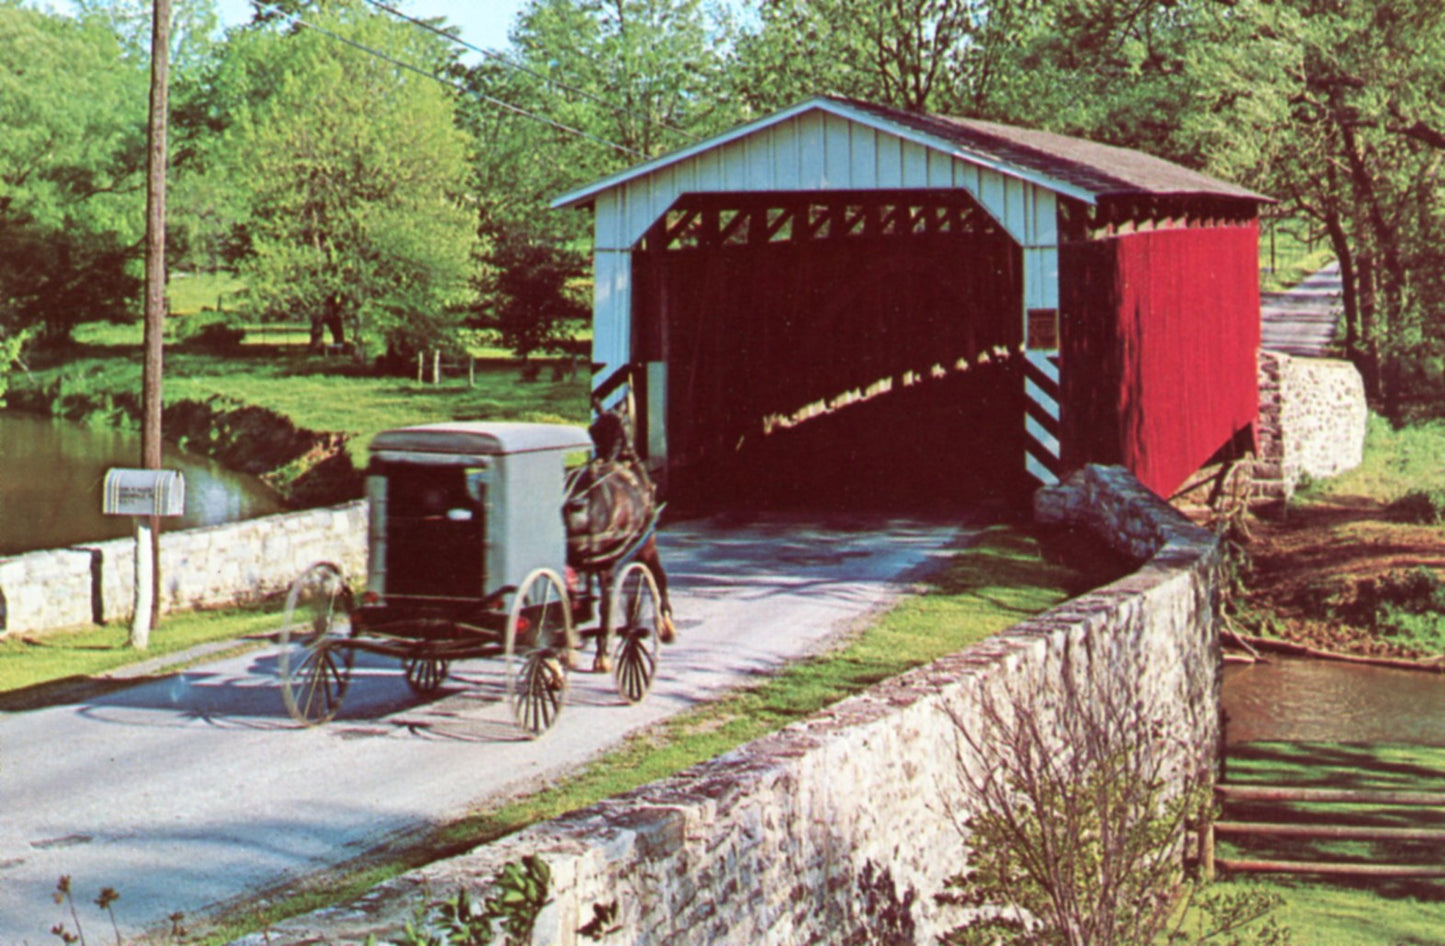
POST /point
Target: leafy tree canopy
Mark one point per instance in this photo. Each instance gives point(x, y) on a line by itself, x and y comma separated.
point(352, 178)
point(597, 85)
point(71, 206)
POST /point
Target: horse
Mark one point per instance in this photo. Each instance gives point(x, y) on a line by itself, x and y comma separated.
point(610, 507)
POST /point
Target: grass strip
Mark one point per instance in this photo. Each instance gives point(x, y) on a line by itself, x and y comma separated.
point(38, 670)
point(989, 586)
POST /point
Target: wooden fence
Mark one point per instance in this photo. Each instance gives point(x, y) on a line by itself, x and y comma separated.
point(1339, 830)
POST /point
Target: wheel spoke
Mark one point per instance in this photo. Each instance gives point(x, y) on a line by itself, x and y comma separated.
point(538, 639)
point(315, 662)
point(635, 653)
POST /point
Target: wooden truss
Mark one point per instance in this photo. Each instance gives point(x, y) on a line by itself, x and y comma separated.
point(708, 221)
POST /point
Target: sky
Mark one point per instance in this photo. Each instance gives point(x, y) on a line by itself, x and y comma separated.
point(483, 23)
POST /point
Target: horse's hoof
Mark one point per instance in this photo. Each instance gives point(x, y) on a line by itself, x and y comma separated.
point(603, 664)
point(667, 633)
point(556, 676)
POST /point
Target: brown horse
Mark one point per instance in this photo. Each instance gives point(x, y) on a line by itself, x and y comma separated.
point(609, 509)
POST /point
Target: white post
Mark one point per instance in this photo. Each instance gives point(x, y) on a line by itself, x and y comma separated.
point(145, 569)
point(436, 367)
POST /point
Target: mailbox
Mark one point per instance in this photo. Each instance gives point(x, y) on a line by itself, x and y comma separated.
point(144, 493)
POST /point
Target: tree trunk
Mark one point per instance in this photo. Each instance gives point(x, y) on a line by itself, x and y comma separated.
point(1349, 297)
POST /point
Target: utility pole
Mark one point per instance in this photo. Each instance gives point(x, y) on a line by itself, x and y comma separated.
point(147, 537)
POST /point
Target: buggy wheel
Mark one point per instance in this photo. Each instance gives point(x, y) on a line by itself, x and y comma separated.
point(315, 661)
point(636, 628)
point(539, 644)
point(425, 674)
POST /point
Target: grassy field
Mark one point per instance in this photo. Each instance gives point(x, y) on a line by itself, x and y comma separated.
point(35, 670)
point(316, 392)
point(1397, 461)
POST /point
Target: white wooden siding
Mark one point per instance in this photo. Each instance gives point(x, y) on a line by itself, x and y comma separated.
point(814, 150)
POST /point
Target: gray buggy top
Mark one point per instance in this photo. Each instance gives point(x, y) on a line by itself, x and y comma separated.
point(489, 493)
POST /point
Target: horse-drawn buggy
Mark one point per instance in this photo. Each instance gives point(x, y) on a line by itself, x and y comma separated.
point(482, 545)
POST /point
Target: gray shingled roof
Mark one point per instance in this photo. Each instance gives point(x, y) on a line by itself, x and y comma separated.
point(1103, 170)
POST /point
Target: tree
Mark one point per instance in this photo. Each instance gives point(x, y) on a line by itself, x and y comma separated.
point(71, 209)
point(352, 178)
point(1344, 128)
point(592, 87)
point(938, 56)
point(531, 289)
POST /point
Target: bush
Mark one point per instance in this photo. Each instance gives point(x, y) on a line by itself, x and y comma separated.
point(212, 333)
point(1420, 506)
point(1407, 605)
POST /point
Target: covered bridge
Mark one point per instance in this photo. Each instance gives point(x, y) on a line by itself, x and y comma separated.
point(845, 292)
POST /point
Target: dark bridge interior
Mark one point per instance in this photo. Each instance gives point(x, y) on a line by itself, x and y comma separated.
point(822, 349)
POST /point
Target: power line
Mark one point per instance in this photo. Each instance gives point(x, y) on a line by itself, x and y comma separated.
point(507, 106)
point(505, 61)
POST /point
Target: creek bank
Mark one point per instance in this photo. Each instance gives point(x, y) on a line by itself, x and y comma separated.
point(1323, 577)
point(307, 468)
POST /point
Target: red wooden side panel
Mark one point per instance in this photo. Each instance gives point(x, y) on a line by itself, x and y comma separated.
point(1160, 339)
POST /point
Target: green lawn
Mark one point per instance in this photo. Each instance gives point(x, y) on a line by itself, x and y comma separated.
point(316, 392)
point(1346, 911)
point(31, 667)
point(191, 293)
point(1396, 461)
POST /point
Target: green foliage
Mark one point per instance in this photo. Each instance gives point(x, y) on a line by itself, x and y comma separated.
point(213, 333)
point(351, 180)
point(522, 891)
point(1080, 801)
point(1420, 506)
point(1230, 916)
point(533, 296)
point(1407, 605)
point(1325, 108)
point(12, 347)
point(73, 112)
point(632, 79)
point(944, 56)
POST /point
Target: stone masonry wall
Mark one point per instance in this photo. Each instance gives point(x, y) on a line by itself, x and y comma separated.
point(841, 828)
point(1312, 416)
point(219, 565)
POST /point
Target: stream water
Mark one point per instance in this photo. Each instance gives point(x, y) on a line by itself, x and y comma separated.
point(51, 474)
point(1330, 701)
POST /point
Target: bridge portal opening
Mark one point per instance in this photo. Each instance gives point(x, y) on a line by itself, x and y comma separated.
point(839, 347)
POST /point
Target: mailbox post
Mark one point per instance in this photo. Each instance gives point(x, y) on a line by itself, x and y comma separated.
point(143, 494)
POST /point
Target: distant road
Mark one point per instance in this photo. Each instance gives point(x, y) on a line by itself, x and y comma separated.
point(1302, 320)
point(196, 789)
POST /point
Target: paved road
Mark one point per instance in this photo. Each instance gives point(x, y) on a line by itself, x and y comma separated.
point(1302, 320)
point(195, 789)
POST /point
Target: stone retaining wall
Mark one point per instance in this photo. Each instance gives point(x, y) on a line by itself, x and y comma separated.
point(1312, 415)
point(841, 828)
point(215, 566)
